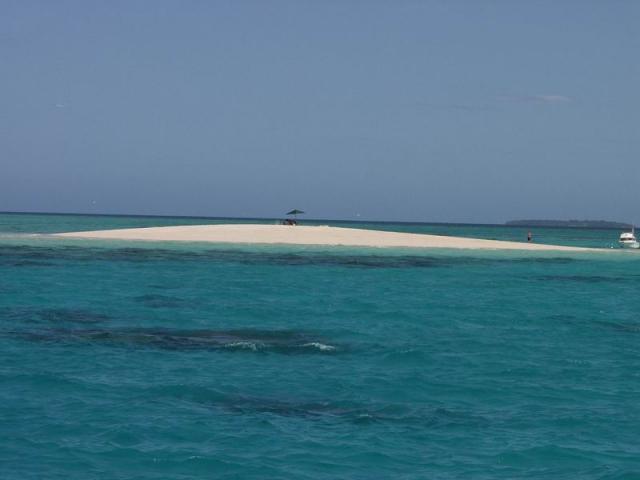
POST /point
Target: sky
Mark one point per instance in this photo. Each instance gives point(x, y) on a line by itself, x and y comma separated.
point(435, 111)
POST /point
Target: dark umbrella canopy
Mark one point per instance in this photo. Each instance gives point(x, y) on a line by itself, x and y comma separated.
point(295, 213)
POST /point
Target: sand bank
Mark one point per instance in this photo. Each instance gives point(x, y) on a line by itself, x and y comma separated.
point(308, 235)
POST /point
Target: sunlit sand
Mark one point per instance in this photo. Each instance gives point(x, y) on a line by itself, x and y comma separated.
point(308, 235)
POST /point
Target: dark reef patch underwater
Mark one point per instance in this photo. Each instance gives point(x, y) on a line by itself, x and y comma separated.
point(120, 360)
point(47, 256)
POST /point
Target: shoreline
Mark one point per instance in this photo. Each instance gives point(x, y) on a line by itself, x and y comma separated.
point(310, 235)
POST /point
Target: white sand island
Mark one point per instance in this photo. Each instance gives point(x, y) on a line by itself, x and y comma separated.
point(308, 235)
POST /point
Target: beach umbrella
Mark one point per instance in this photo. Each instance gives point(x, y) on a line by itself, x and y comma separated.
point(294, 212)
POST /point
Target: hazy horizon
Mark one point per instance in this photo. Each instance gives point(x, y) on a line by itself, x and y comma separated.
point(456, 112)
point(312, 218)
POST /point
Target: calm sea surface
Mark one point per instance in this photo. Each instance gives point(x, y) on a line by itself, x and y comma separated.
point(123, 360)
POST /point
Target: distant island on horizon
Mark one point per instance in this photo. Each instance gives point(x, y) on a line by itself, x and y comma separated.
point(568, 223)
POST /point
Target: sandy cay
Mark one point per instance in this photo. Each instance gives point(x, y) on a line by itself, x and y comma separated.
point(308, 235)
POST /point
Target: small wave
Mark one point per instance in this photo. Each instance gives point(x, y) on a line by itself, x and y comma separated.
point(621, 327)
point(274, 341)
point(244, 345)
point(159, 301)
point(320, 346)
point(579, 278)
point(53, 315)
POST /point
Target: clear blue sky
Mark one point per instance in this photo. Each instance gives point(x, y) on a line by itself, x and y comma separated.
point(468, 111)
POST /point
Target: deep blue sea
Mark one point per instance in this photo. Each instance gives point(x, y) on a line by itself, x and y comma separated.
point(123, 360)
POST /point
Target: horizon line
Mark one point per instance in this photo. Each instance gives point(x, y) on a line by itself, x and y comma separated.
point(505, 224)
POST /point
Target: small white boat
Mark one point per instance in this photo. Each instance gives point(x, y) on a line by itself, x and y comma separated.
point(628, 240)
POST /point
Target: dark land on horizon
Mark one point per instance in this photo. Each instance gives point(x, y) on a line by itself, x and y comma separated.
point(568, 223)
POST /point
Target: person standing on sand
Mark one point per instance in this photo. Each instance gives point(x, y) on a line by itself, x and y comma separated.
point(529, 236)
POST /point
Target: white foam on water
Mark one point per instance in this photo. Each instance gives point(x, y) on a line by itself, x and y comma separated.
point(320, 346)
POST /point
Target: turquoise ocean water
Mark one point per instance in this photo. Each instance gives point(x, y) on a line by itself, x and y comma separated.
point(125, 360)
